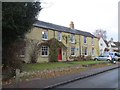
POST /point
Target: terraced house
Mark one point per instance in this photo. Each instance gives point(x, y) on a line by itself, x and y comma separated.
point(76, 41)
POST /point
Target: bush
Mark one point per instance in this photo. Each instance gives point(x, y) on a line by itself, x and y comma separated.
point(81, 58)
point(89, 57)
point(11, 60)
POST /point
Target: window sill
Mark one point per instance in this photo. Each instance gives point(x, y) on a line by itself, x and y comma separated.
point(60, 40)
point(73, 55)
point(44, 39)
point(73, 42)
point(85, 43)
point(44, 56)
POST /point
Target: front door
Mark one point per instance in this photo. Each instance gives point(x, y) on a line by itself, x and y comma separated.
point(59, 54)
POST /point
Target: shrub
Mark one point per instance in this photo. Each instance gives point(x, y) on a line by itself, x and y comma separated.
point(81, 58)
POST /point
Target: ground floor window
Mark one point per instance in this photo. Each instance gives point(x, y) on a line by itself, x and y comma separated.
point(93, 51)
point(85, 50)
point(72, 51)
point(44, 51)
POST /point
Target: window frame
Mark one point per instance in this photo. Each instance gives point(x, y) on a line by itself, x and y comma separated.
point(72, 38)
point(86, 51)
point(73, 51)
point(43, 35)
point(44, 48)
point(59, 36)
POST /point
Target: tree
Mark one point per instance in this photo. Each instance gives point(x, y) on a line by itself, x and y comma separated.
point(17, 19)
point(100, 34)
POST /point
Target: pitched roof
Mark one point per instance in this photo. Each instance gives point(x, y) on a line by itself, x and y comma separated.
point(59, 28)
point(106, 42)
point(117, 44)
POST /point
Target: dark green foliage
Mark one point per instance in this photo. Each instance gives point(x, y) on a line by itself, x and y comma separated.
point(17, 19)
point(53, 45)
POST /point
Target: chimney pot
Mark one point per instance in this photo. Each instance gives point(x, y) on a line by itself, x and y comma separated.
point(71, 25)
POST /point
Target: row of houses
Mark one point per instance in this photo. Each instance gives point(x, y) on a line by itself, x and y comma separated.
point(76, 41)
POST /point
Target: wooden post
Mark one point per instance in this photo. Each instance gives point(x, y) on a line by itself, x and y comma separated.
point(17, 78)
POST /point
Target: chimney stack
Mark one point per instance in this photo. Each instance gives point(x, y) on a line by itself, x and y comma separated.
point(71, 25)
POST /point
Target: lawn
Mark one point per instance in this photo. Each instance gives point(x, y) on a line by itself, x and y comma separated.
point(55, 65)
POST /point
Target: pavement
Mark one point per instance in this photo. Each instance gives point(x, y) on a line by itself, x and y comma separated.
point(57, 81)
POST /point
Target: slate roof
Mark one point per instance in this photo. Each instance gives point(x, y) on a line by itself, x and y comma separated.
point(59, 28)
point(106, 42)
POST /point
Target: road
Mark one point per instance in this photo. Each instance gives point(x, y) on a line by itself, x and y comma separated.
point(107, 79)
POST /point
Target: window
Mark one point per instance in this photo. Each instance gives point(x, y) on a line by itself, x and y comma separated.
point(85, 39)
point(72, 38)
point(44, 51)
point(59, 36)
point(45, 35)
point(72, 51)
point(92, 41)
point(85, 50)
point(101, 44)
point(92, 51)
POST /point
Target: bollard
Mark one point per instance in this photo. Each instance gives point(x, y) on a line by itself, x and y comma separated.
point(17, 78)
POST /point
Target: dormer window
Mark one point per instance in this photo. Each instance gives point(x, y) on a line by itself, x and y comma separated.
point(72, 38)
point(59, 36)
point(45, 35)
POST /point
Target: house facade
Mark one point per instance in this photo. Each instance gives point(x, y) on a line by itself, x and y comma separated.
point(76, 41)
point(108, 46)
point(103, 46)
point(113, 46)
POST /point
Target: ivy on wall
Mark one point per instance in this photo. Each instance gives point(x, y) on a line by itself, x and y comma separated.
point(53, 45)
point(67, 38)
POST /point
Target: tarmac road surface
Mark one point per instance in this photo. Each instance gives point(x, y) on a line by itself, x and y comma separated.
point(109, 79)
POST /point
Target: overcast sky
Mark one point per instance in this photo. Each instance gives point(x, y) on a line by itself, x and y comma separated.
point(87, 15)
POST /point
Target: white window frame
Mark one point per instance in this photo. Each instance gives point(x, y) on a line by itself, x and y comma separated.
point(73, 51)
point(43, 50)
point(72, 38)
point(59, 36)
point(43, 35)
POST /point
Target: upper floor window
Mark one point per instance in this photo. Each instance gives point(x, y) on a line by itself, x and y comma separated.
point(92, 41)
point(44, 51)
point(101, 44)
point(85, 39)
point(45, 35)
point(93, 51)
point(72, 51)
point(72, 38)
point(59, 36)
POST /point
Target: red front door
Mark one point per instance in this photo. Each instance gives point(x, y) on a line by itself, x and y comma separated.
point(59, 54)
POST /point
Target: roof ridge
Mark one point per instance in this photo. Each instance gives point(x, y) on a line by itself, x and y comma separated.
point(61, 28)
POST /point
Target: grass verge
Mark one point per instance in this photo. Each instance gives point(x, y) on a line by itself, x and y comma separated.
point(55, 65)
